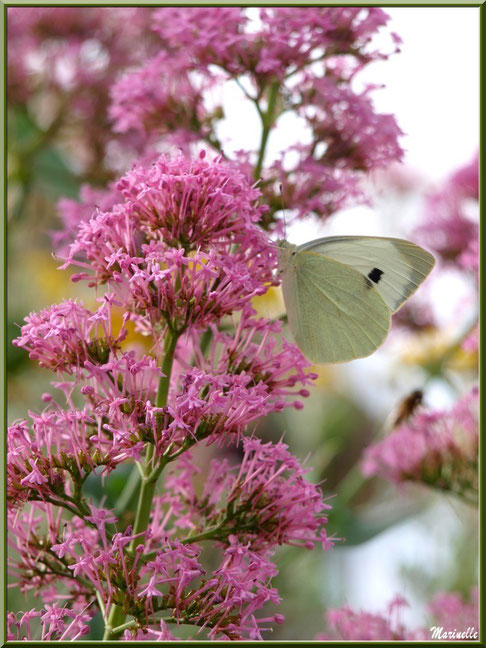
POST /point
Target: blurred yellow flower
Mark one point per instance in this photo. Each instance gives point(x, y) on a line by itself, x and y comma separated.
point(270, 304)
point(40, 278)
point(434, 348)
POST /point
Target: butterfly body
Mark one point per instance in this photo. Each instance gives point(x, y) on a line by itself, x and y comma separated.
point(340, 292)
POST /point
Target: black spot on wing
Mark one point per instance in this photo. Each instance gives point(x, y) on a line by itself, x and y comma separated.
point(375, 275)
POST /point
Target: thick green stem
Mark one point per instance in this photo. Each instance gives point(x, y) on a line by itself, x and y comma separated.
point(116, 617)
point(148, 483)
point(268, 118)
point(170, 344)
point(129, 491)
point(144, 506)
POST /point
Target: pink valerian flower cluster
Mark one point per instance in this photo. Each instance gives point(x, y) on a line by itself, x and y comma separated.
point(449, 612)
point(57, 623)
point(216, 401)
point(346, 624)
point(308, 57)
point(451, 225)
point(265, 498)
point(67, 58)
point(164, 68)
point(73, 212)
point(183, 249)
point(345, 126)
point(450, 229)
point(437, 448)
point(286, 38)
point(47, 33)
point(199, 221)
point(65, 336)
point(160, 98)
point(51, 458)
point(270, 502)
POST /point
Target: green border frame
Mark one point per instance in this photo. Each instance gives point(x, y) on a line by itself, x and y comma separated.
point(478, 4)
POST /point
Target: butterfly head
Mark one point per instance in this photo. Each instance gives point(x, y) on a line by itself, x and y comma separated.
point(286, 251)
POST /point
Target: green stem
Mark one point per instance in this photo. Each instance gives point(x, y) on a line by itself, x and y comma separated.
point(170, 344)
point(125, 626)
point(116, 617)
point(268, 118)
point(144, 505)
point(129, 491)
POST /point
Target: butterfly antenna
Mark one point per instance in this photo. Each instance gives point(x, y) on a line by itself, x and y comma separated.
point(280, 188)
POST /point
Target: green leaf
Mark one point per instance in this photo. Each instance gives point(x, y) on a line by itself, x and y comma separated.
point(356, 528)
point(21, 128)
point(51, 174)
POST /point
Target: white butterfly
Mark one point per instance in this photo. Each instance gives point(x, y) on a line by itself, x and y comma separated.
point(341, 291)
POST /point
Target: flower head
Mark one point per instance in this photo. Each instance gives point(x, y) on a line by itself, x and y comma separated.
point(183, 245)
point(435, 448)
point(66, 335)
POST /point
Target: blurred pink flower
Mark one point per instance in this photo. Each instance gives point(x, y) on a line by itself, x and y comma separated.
point(449, 612)
point(348, 138)
point(453, 613)
point(285, 38)
point(345, 125)
point(73, 212)
point(347, 624)
point(451, 227)
point(439, 449)
point(159, 98)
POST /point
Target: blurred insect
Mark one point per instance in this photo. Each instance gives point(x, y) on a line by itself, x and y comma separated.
point(405, 409)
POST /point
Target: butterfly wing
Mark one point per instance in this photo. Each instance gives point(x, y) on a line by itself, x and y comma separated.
point(334, 313)
point(396, 267)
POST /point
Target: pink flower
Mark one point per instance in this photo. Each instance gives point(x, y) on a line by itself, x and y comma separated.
point(451, 226)
point(435, 448)
point(347, 624)
point(453, 613)
point(450, 612)
point(150, 590)
point(150, 634)
point(466, 179)
point(64, 336)
point(238, 588)
point(265, 501)
point(73, 212)
point(53, 623)
point(160, 97)
point(308, 186)
point(285, 39)
point(354, 136)
point(73, 55)
point(183, 245)
point(469, 258)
